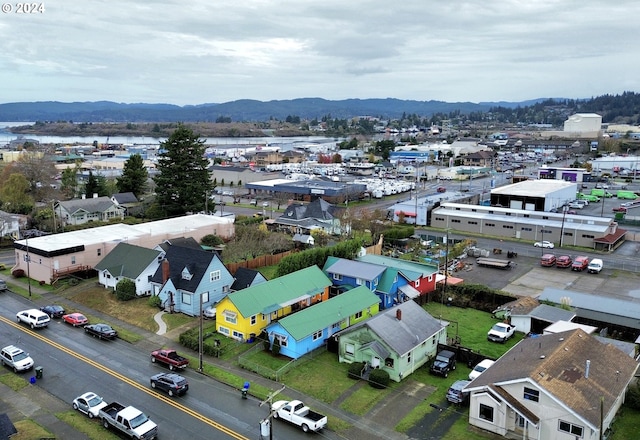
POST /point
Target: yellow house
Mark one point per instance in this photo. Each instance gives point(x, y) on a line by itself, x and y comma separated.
point(245, 313)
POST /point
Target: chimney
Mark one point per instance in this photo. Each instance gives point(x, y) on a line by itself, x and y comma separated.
point(586, 370)
point(399, 315)
point(165, 270)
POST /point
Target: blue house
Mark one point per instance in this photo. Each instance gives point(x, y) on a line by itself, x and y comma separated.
point(308, 329)
point(388, 283)
point(188, 277)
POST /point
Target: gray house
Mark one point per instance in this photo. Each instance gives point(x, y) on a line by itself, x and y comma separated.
point(80, 211)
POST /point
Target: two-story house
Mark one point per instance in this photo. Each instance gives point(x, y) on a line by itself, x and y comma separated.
point(248, 311)
point(399, 340)
point(127, 261)
point(567, 385)
point(189, 280)
point(304, 331)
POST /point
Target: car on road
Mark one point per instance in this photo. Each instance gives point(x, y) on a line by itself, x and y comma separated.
point(34, 318)
point(580, 263)
point(564, 261)
point(501, 332)
point(480, 368)
point(53, 310)
point(16, 358)
point(75, 319)
point(544, 244)
point(171, 383)
point(441, 189)
point(89, 403)
point(3, 286)
point(101, 331)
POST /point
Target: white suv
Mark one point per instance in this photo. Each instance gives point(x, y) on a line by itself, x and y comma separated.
point(34, 318)
point(16, 358)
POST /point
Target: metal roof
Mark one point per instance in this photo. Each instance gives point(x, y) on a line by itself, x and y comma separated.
point(534, 188)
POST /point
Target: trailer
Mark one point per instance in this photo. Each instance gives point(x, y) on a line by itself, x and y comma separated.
point(493, 262)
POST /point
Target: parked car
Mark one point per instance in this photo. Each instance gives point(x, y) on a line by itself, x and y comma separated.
point(16, 358)
point(53, 310)
point(75, 319)
point(575, 205)
point(455, 394)
point(3, 286)
point(171, 383)
point(34, 318)
point(209, 312)
point(571, 211)
point(444, 362)
point(547, 260)
point(89, 403)
point(580, 263)
point(442, 189)
point(480, 368)
point(297, 413)
point(101, 331)
point(595, 266)
point(171, 358)
point(544, 244)
point(501, 332)
point(564, 261)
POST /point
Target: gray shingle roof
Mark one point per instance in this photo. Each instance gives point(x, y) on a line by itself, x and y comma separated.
point(355, 269)
point(94, 204)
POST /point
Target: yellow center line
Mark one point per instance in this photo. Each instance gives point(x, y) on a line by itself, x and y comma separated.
point(125, 379)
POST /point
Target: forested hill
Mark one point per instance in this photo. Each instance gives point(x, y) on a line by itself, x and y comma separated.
point(241, 110)
point(624, 108)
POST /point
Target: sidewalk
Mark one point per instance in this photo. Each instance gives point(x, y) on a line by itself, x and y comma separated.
point(379, 423)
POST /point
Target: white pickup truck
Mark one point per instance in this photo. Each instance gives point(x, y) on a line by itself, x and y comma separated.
point(131, 421)
point(297, 413)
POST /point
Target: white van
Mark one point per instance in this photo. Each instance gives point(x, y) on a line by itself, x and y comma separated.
point(595, 266)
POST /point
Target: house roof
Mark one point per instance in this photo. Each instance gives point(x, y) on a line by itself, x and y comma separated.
point(244, 278)
point(280, 292)
point(93, 204)
point(410, 269)
point(184, 260)
point(402, 335)
point(125, 198)
point(575, 368)
point(521, 306)
point(188, 242)
point(322, 315)
point(354, 269)
point(551, 314)
point(127, 260)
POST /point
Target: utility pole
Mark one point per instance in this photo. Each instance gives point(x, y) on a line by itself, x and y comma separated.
point(28, 261)
point(266, 422)
point(200, 336)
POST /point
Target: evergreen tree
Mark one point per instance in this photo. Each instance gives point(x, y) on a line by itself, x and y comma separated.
point(183, 181)
point(91, 187)
point(134, 176)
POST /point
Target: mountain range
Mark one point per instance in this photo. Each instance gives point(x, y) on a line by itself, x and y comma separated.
point(240, 110)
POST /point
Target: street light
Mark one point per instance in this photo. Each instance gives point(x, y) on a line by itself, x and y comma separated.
point(542, 240)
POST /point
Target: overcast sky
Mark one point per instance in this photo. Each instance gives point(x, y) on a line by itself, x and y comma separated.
point(214, 51)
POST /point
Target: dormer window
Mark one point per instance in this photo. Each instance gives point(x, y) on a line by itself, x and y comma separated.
point(186, 275)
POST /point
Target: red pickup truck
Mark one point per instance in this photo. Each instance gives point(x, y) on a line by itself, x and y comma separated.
point(171, 358)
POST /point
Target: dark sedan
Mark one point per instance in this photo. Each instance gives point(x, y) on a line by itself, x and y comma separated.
point(102, 331)
point(53, 310)
point(171, 383)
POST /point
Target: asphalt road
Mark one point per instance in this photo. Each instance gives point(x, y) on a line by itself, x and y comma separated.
point(75, 363)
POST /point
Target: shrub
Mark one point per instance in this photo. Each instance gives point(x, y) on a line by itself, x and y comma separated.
point(355, 369)
point(125, 290)
point(379, 378)
point(633, 397)
point(154, 301)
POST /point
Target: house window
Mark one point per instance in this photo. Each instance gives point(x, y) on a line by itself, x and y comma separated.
point(317, 335)
point(186, 275)
point(254, 319)
point(531, 394)
point(238, 335)
point(358, 315)
point(349, 349)
point(214, 276)
point(282, 339)
point(223, 330)
point(337, 277)
point(486, 412)
point(492, 225)
point(360, 281)
point(225, 289)
point(231, 318)
point(73, 260)
point(388, 362)
point(409, 358)
point(570, 428)
point(186, 298)
point(99, 252)
point(417, 283)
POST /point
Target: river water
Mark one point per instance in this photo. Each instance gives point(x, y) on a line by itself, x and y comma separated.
point(284, 143)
